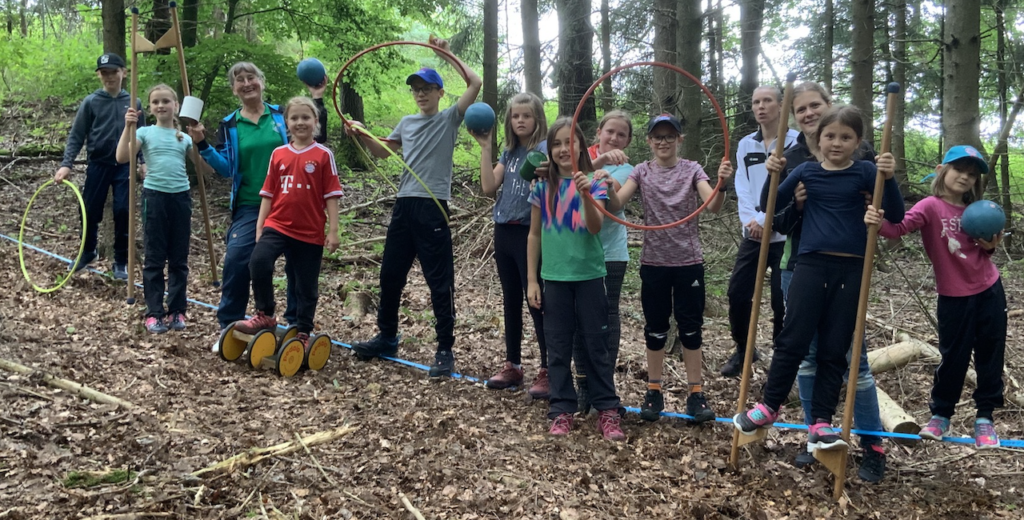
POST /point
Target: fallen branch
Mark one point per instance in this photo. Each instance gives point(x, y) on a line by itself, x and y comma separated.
point(895, 419)
point(408, 505)
point(895, 355)
point(365, 204)
point(64, 384)
point(310, 453)
point(256, 455)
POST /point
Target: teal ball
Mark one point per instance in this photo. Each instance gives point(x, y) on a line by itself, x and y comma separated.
point(479, 118)
point(311, 71)
point(983, 219)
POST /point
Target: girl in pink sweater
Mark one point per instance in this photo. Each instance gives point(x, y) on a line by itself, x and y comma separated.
point(972, 306)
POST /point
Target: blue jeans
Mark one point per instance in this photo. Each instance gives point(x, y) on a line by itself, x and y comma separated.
point(234, 294)
point(865, 408)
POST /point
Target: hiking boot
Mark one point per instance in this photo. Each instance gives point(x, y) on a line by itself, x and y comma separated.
point(654, 403)
point(872, 466)
point(541, 387)
point(444, 364)
point(760, 416)
point(734, 366)
point(582, 396)
point(561, 425)
point(255, 324)
point(935, 429)
point(120, 271)
point(985, 434)
point(608, 424)
point(509, 376)
point(177, 321)
point(376, 347)
point(697, 407)
point(83, 261)
point(155, 325)
point(803, 459)
point(824, 437)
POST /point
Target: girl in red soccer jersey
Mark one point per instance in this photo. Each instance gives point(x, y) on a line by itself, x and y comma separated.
point(302, 182)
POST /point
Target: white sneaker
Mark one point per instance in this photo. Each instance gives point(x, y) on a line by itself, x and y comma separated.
point(216, 346)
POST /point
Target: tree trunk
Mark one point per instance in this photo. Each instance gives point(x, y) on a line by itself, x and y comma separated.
point(665, 27)
point(712, 50)
point(189, 21)
point(961, 49)
point(830, 41)
point(22, 14)
point(114, 27)
point(576, 67)
point(862, 62)
point(607, 94)
point(531, 48)
point(899, 75)
point(490, 87)
point(229, 27)
point(719, 88)
point(751, 20)
point(159, 23)
point(1004, 164)
point(688, 44)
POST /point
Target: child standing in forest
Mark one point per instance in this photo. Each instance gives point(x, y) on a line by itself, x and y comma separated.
point(672, 262)
point(825, 289)
point(525, 130)
point(972, 305)
point(301, 183)
point(563, 232)
point(166, 207)
point(98, 125)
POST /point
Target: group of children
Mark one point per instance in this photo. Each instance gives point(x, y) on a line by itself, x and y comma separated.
point(554, 246)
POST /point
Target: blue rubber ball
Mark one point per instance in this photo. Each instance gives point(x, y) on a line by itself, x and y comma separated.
point(311, 71)
point(479, 118)
point(983, 219)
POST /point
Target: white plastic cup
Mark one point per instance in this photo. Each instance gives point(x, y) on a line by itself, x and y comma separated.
point(191, 109)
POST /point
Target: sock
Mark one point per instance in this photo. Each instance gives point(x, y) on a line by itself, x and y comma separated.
point(695, 387)
point(654, 384)
point(517, 366)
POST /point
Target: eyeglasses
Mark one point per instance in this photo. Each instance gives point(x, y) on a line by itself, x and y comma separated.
point(664, 138)
point(423, 90)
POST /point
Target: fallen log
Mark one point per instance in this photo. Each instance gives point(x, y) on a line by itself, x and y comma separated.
point(895, 419)
point(894, 356)
point(255, 455)
point(64, 384)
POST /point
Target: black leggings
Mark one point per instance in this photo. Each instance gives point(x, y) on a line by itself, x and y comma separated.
point(304, 258)
point(671, 290)
point(510, 258)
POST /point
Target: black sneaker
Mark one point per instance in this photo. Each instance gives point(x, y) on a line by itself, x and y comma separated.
point(872, 466)
point(582, 396)
point(120, 271)
point(697, 407)
point(654, 403)
point(87, 258)
point(734, 366)
point(376, 347)
point(444, 364)
point(803, 459)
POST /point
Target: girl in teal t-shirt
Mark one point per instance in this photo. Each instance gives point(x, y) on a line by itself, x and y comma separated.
point(565, 230)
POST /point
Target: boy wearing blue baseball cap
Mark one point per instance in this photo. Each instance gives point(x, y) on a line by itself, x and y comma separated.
point(418, 227)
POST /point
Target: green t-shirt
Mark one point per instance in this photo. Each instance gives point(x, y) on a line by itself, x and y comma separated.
point(569, 252)
point(256, 143)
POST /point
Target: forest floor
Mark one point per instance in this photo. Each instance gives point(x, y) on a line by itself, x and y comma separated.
point(455, 449)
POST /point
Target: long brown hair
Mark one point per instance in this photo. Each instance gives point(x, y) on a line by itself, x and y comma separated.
point(582, 161)
point(540, 121)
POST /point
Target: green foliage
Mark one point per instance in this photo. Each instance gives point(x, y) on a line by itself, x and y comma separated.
point(88, 479)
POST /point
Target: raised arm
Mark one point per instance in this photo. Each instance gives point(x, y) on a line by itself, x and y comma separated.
point(472, 79)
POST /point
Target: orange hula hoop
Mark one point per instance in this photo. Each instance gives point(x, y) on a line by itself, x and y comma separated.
point(721, 119)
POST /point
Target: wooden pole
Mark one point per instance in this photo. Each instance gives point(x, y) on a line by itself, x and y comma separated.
point(196, 160)
point(133, 161)
point(762, 266)
point(865, 288)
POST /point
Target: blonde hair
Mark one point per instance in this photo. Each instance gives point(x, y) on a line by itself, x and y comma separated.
point(540, 127)
point(163, 87)
point(303, 101)
point(968, 165)
point(244, 66)
point(810, 86)
point(616, 114)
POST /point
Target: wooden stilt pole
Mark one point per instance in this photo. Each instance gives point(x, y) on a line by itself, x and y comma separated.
point(133, 161)
point(739, 439)
point(862, 307)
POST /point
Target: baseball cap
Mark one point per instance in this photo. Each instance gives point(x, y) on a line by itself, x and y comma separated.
point(665, 118)
point(966, 152)
point(110, 61)
point(426, 74)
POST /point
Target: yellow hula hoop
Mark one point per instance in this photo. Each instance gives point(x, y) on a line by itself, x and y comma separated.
point(21, 237)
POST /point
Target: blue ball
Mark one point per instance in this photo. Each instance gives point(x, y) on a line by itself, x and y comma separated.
point(983, 219)
point(479, 118)
point(311, 71)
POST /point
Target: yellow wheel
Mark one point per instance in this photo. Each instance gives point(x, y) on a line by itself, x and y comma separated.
point(262, 344)
point(231, 348)
point(289, 360)
point(319, 351)
point(289, 333)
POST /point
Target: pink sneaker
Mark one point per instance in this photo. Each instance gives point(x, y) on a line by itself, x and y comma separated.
point(509, 376)
point(608, 424)
point(562, 424)
point(760, 416)
point(257, 323)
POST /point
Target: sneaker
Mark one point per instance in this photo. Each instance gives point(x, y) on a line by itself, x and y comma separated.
point(985, 434)
point(216, 345)
point(509, 376)
point(444, 364)
point(824, 437)
point(935, 429)
point(257, 323)
point(760, 416)
point(541, 387)
point(376, 347)
point(872, 466)
point(562, 424)
point(803, 459)
point(120, 271)
point(654, 403)
point(697, 407)
point(582, 396)
point(608, 423)
point(734, 366)
point(178, 321)
point(155, 325)
point(87, 258)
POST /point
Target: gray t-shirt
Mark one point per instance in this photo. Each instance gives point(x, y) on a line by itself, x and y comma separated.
point(512, 205)
point(428, 143)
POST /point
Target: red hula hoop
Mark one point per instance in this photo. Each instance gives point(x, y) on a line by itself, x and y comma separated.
point(721, 119)
point(337, 79)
